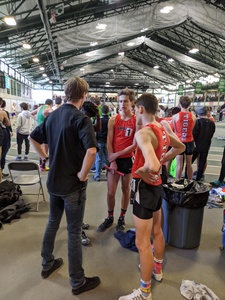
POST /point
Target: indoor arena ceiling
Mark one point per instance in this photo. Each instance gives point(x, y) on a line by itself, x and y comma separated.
point(115, 43)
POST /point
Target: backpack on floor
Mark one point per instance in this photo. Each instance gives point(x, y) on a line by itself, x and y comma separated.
point(9, 193)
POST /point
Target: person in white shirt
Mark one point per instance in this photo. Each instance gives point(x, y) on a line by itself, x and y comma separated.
point(23, 130)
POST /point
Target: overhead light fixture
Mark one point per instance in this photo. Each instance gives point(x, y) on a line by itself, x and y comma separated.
point(82, 69)
point(44, 75)
point(41, 68)
point(26, 45)
point(166, 9)
point(130, 44)
point(156, 67)
point(10, 21)
point(136, 84)
point(144, 29)
point(121, 53)
point(35, 59)
point(170, 60)
point(92, 53)
point(93, 43)
point(194, 50)
point(107, 83)
point(101, 26)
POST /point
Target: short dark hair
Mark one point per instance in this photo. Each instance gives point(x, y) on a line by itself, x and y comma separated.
point(185, 101)
point(149, 102)
point(48, 102)
point(58, 100)
point(90, 109)
point(3, 103)
point(176, 110)
point(74, 88)
point(105, 109)
point(24, 106)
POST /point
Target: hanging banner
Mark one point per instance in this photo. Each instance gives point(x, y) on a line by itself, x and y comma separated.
point(221, 85)
point(198, 87)
point(7, 82)
point(180, 89)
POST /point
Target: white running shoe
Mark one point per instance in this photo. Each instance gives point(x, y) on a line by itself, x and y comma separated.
point(157, 273)
point(136, 295)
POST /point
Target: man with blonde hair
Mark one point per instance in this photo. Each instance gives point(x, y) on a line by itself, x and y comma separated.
point(72, 149)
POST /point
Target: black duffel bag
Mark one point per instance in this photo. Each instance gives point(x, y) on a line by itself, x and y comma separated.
point(186, 193)
point(9, 193)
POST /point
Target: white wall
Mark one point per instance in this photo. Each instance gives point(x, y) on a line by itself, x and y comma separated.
point(39, 96)
point(10, 99)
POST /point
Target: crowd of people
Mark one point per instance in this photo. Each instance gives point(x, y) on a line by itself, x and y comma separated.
point(136, 146)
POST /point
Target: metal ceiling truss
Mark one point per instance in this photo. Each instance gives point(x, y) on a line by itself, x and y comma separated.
point(187, 36)
point(35, 28)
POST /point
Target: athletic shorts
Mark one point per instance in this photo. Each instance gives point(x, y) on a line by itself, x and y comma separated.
point(148, 200)
point(124, 165)
point(190, 146)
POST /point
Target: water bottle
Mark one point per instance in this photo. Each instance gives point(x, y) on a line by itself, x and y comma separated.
point(223, 231)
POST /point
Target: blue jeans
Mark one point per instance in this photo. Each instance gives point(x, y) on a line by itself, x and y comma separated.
point(101, 157)
point(74, 205)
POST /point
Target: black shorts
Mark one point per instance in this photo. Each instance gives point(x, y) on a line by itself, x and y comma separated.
point(148, 201)
point(124, 165)
point(190, 146)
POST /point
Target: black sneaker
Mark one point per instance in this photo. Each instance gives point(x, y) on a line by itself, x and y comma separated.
point(120, 224)
point(84, 239)
point(89, 284)
point(57, 263)
point(106, 224)
point(85, 226)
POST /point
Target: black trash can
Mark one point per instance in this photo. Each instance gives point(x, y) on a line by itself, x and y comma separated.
point(183, 209)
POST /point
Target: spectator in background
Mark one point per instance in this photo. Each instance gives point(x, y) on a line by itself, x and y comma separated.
point(4, 122)
point(161, 112)
point(203, 132)
point(220, 182)
point(221, 111)
point(102, 154)
point(23, 130)
point(13, 112)
point(58, 103)
point(97, 102)
point(42, 112)
point(183, 123)
point(6, 142)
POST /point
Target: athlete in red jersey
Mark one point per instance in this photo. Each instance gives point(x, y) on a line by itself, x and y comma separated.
point(183, 123)
point(121, 146)
point(152, 141)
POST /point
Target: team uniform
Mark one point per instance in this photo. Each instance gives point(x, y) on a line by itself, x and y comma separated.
point(123, 137)
point(149, 197)
point(183, 129)
point(169, 121)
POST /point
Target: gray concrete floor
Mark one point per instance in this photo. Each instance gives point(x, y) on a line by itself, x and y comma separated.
point(20, 244)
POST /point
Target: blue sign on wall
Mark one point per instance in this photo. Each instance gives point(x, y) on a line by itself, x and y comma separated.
point(7, 82)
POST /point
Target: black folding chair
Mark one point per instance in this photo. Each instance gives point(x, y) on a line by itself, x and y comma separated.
point(28, 179)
